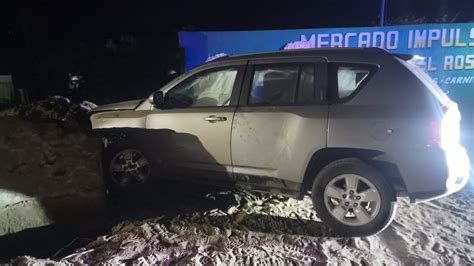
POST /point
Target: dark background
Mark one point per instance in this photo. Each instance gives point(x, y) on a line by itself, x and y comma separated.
point(124, 49)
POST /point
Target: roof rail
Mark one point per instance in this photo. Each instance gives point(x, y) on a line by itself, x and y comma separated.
point(405, 57)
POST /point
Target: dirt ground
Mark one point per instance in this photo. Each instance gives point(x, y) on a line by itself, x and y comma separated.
point(50, 175)
point(199, 226)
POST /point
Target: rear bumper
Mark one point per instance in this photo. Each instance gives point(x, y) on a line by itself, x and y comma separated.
point(457, 165)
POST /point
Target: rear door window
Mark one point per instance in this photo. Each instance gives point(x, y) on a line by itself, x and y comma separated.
point(284, 84)
point(308, 92)
point(274, 84)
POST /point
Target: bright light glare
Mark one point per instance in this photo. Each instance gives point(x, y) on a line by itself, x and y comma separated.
point(471, 170)
point(471, 179)
point(417, 60)
point(456, 156)
point(459, 166)
point(450, 127)
point(19, 211)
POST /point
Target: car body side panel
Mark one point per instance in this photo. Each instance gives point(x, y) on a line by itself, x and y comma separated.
point(274, 141)
point(403, 141)
point(119, 119)
point(127, 105)
point(392, 114)
point(191, 142)
point(272, 145)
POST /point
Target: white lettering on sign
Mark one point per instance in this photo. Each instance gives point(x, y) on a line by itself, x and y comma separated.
point(447, 41)
point(457, 42)
point(322, 42)
point(420, 39)
point(386, 40)
point(430, 65)
point(392, 40)
point(416, 39)
point(347, 37)
point(433, 35)
point(457, 80)
point(336, 40)
point(458, 62)
point(378, 38)
point(364, 39)
point(444, 37)
point(471, 36)
point(312, 40)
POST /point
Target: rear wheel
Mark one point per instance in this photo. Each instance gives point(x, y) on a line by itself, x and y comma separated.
point(352, 198)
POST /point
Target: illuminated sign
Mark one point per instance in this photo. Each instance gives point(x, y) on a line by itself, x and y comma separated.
point(448, 49)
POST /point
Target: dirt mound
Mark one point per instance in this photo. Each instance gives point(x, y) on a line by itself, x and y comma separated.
point(49, 165)
point(54, 108)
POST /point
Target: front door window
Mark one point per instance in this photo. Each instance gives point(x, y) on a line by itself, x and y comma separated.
point(210, 89)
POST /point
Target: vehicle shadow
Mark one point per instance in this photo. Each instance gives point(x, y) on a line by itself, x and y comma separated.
point(220, 207)
point(73, 199)
point(167, 202)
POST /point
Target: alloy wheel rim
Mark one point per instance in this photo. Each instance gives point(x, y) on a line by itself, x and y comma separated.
point(352, 199)
point(129, 167)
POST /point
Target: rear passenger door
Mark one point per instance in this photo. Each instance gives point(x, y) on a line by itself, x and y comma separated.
point(280, 122)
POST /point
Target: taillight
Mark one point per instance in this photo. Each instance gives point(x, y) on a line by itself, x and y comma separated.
point(434, 133)
point(445, 133)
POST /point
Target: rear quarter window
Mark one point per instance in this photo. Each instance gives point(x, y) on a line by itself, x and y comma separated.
point(347, 79)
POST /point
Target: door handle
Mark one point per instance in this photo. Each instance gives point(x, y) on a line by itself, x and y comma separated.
point(213, 119)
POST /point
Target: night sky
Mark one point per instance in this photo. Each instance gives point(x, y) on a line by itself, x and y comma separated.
point(42, 41)
point(72, 19)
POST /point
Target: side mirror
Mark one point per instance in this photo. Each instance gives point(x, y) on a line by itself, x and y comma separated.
point(159, 99)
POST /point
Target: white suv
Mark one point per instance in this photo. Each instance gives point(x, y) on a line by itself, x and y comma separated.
point(354, 127)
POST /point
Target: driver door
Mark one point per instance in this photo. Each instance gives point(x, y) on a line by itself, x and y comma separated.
point(192, 132)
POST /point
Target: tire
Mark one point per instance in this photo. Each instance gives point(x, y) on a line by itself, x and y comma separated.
point(357, 213)
point(111, 156)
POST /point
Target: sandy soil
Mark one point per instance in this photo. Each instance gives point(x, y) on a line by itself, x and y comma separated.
point(440, 231)
point(243, 227)
point(50, 169)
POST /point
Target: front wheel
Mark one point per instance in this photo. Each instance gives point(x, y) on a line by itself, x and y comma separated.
point(126, 166)
point(353, 199)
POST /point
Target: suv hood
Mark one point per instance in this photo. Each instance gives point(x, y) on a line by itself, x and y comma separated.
point(127, 105)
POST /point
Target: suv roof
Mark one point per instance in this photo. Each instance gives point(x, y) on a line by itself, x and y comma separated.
point(304, 52)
